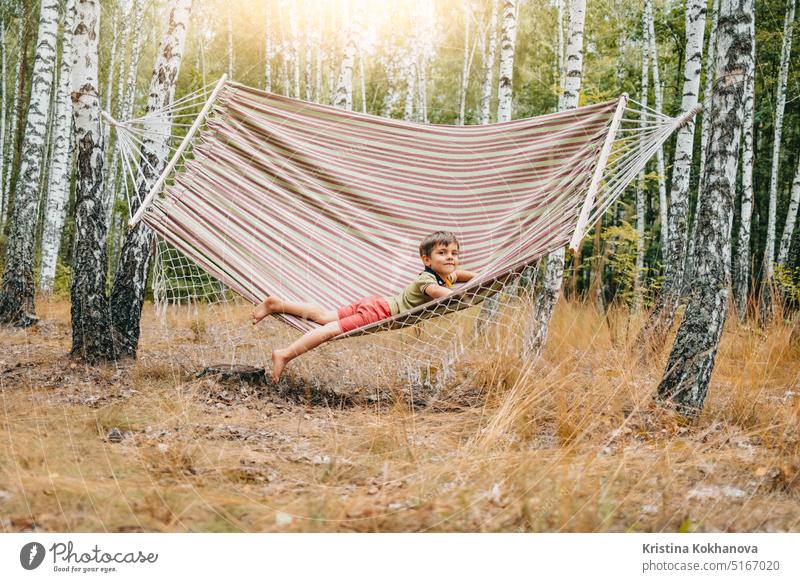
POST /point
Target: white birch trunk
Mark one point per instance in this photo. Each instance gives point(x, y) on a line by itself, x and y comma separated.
point(741, 269)
point(3, 100)
point(691, 361)
point(111, 67)
point(783, 75)
point(295, 49)
point(12, 133)
point(362, 80)
point(536, 331)
point(662, 185)
point(647, 14)
point(791, 218)
point(462, 92)
point(308, 70)
point(704, 131)
point(318, 60)
point(507, 44)
point(229, 36)
point(124, 108)
point(488, 67)
point(267, 49)
point(663, 315)
point(411, 77)
point(16, 295)
point(127, 294)
point(343, 96)
point(91, 326)
point(58, 194)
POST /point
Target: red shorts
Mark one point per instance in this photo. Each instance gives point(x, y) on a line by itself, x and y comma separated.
point(363, 312)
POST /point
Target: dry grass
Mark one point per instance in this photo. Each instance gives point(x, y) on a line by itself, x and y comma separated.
point(572, 443)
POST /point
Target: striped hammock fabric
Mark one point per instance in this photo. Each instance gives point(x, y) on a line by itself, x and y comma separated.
point(312, 203)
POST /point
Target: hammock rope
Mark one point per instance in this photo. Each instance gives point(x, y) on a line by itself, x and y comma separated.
point(276, 196)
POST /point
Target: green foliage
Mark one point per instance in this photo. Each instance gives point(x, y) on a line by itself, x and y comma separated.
point(621, 264)
point(62, 280)
point(787, 280)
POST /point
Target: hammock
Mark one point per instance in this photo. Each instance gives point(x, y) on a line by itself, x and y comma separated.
point(276, 196)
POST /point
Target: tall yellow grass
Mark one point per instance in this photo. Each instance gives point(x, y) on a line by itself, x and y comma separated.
point(569, 442)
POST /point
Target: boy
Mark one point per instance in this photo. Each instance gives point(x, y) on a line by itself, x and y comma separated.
point(439, 254)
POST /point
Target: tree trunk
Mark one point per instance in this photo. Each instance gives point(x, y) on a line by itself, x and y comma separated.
point(392, 95)
point(539, 324)
point(741, 269)
point(488, 67)
point(295, 49)
point(656, 328)
point(115, 45)
point(647, 14)
point(662, 185)
point(125, 111)
point(783, 75)
point(60, 177)
point(685, 381)
point(711, 48)
point(91, 326)
point(127, 294)
point(507, 43)
point(411, 77)
point(791, 217)
point(343, 96)
point(3, 99)
point(16, 296)
point(465, 65)
point(110, 176)
point(16, 113)
point(267, 49)
point(229, 31)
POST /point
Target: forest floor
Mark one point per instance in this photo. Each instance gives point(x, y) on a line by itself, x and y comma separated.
point(572, 443)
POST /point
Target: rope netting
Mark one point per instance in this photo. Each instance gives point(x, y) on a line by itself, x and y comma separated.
point(268, 195)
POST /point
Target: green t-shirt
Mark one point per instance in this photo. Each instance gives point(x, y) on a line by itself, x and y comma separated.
point(414, 295)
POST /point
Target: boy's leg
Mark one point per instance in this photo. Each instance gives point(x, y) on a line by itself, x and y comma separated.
point(307, 341)
point(310, 311)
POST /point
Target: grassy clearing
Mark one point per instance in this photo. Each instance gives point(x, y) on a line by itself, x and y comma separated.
point(572, 443)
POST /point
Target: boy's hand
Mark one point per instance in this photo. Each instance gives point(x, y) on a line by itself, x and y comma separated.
point(464, 276)
point(437, 291)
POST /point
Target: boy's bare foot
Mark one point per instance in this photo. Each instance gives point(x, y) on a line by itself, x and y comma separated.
point(278, 362)
point(265, 308)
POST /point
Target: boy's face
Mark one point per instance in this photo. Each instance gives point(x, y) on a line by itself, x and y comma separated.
point(443, 259)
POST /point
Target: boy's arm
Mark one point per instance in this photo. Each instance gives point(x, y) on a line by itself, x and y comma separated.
point(463, 276)
point(437, 291)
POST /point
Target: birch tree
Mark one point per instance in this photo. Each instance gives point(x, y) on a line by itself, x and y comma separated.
point(127, 294)
point(465, 65)
point(658, 93)
point(16, 109)
point(343, 96)
point(640, 184)
point(91, 326)
point(769, 250)
point(711, 49)
point(791, 217)
point(508, 41)
point(538, 326)
point(229, 31)
point(488, 66)
point(268, 49)
point(674, 256)
point(688, 371)
point(780, 103)
point(3, 100)
point(17, 292)
point(741, 271)
point(58, 194)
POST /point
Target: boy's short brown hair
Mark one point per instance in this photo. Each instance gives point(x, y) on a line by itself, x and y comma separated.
point(430, 242)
